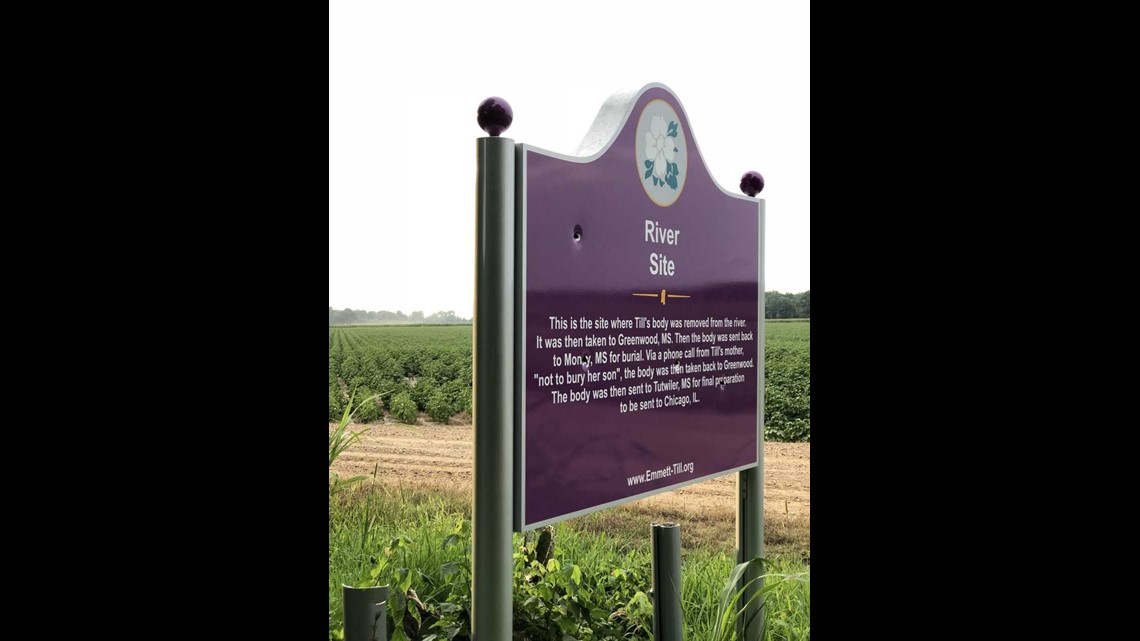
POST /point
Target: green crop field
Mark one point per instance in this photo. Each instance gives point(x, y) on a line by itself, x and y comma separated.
point(428, 369)
point(413, 369)
point(787, 381)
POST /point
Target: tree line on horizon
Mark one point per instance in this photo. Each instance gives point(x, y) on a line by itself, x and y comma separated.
point(360, 316)
point(780, 305)
point(776, 305)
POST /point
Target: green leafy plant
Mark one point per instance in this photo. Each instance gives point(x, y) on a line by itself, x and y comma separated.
point(458, 392)
point(404, 409)
point(441, 608)
point(439, 407)
point(422, 391)
point(336, 401)
point(369, 409)
point(559, 600)
point(389, 389)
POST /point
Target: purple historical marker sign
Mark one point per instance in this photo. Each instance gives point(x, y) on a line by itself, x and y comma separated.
point(640, 326)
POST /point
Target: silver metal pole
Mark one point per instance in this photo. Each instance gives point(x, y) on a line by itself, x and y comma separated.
point(750, 544)
point(750, 487)
point(667, 624)
point(366, 613)
point(493, 386)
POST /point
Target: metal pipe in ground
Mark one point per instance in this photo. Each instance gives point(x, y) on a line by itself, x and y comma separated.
point(667, 624)
point(750, 545)
point(366, 613)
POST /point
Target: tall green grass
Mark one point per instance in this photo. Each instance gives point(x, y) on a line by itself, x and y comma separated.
point(376, 530)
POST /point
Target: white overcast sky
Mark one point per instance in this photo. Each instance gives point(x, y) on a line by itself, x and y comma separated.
point(405, 80)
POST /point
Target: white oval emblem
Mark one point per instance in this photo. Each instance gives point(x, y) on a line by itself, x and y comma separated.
point(662, 153)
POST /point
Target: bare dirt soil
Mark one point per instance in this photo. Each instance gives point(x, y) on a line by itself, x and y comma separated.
point(440, 455)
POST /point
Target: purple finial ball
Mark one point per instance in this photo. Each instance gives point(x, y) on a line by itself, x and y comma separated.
point(495, 115)
point(752, 183)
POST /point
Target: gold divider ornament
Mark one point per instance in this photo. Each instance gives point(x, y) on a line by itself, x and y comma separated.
point(663, 296)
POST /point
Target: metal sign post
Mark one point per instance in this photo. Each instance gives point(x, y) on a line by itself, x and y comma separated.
point(493, 361)
point(750, 483)
point(750, 545)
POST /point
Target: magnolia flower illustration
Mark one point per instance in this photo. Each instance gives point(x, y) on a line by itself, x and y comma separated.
point(661, 151)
